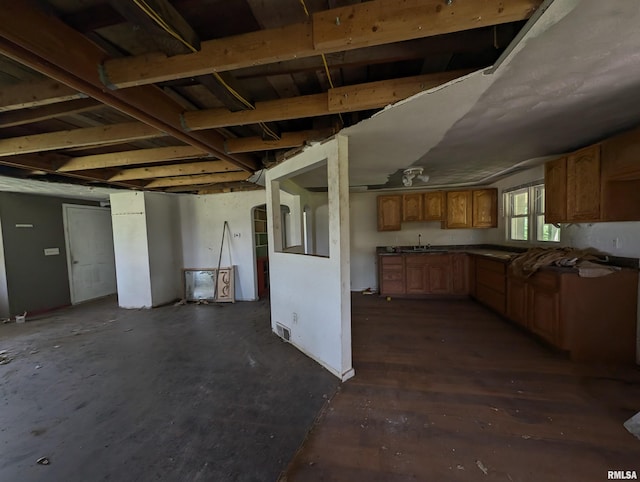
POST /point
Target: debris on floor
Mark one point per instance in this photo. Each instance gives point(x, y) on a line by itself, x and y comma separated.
point(180, 303)
point(43, 461)
point(633, 425)
point(368, 291)
point(4, 357)
point(482, 467)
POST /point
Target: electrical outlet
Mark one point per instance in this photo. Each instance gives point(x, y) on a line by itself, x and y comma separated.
point(616, 243)
point(236, 235)
point(295, 317)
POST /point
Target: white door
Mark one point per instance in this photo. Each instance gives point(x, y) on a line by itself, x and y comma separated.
point(90, 258)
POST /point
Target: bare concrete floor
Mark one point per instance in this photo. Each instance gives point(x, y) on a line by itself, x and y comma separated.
point(187, 393)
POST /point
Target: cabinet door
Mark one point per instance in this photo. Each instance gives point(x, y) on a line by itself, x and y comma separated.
point(517, 300)
point(416, 281)
point(485, 208)
point(458, 209)
point(391, 275)
point(460, 274)
point(555, 191)
point(433, 206)
point(544, 312)
point(438, 274)
point(412, 209)
point(389, 212)
point(583, 185)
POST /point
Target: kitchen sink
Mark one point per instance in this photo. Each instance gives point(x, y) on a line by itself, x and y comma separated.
point(424, 250)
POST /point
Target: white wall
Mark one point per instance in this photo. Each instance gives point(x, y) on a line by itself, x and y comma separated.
point(131, 250)
point(4, 289)
point(202, 219)
point(365, 237)
point(164, 246)
point(310, 294)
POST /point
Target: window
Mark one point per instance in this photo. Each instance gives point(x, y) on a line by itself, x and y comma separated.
point(524, 210)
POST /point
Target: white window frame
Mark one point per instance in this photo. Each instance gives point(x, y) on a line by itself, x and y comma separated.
point(533, 211)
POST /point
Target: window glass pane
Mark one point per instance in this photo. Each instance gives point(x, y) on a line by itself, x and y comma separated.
point(520, 203)
point(546, 232)
point(520, 228)
point(539, 199)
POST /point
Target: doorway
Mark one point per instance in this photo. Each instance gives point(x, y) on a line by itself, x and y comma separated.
point(90, 256)
point(261, 246)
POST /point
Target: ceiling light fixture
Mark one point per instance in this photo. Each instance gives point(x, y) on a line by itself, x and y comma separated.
point(412, 173)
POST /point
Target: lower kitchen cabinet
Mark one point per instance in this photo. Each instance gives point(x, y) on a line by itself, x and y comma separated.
point(490, 282)
point(594, 319)
point(423, 274)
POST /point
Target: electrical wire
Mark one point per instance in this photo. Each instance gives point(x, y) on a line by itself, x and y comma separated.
point(324, 59)
point(151, 13)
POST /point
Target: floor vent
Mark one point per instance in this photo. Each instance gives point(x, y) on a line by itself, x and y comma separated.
point(283, 332)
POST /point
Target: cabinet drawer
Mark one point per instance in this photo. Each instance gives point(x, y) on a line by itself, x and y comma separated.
point(545, 280)
point(491, 265)
point(391, 261)
point(393, 275)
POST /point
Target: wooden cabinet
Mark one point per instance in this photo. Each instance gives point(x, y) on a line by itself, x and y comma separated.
point(389, 212)
point(433, 206)
point(490, 282)
point(555, 190)
point(391, 275)
point(458, 209)
point(460, 273)
point(412, 207)
point(583, 185)
point(572, 187)
point(592, 318)
point(420, 274)
point(485, 208)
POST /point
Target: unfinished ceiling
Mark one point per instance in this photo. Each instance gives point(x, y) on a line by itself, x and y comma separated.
point(195, 95)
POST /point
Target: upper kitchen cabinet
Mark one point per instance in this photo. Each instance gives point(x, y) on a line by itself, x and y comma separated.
point(458, 209)
point(433, 206)
point(485, 208)
point(412, 209)
point(572, 187)
point(620, 158)
point(389, 212)
point(555, 190)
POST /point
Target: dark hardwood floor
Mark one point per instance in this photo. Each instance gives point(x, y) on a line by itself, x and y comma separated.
point(447, 390)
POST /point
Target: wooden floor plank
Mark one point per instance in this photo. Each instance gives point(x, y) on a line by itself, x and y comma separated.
point(446, 389)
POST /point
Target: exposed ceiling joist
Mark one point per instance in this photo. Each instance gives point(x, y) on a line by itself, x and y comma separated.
point(40, 41)
point(199, 179)
point(370, 23)
point(287, 140)
point(34, 94)
point(191, 168)
point(88, 136)
point(29, 116)
point(342, 99)
point(163, 24)
point(48, 162)
point(130, 158)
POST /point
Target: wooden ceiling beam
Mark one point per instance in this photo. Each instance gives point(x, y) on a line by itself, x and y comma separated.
point(190, 168)
point(148, 15)
point(287, 140)
point(131, 158)
point(41, 42)
point(199, 179)
point(49, 162)
point(35, 94)
point(342, 99)
point(38, 114)
point(365, 24)
point(88, 136)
